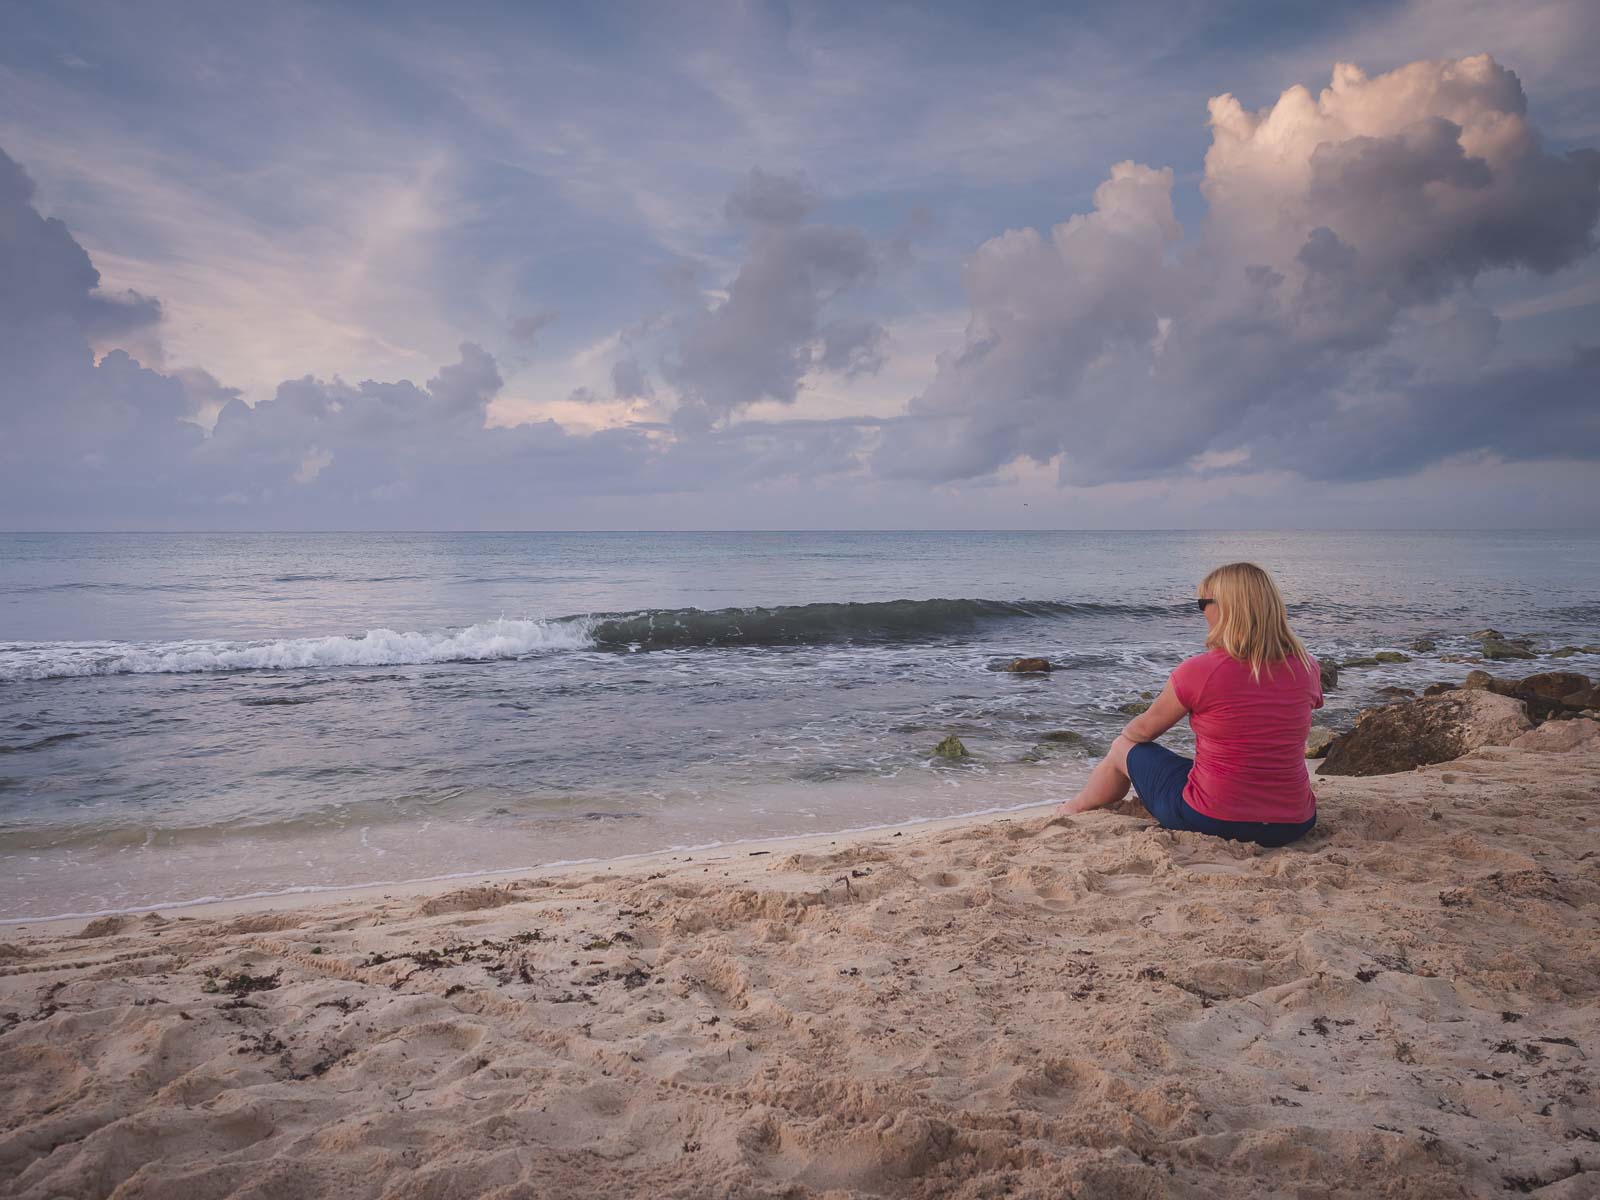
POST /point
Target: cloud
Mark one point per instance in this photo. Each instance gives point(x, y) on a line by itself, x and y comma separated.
point(1337, 226)
point(526, 328)
point(628, 380)
point(112, 441)
point(762, 339)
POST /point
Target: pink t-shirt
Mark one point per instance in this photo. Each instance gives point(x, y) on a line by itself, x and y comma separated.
point(1249, 737)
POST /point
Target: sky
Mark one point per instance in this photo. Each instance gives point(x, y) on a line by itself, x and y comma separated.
point(784, 266)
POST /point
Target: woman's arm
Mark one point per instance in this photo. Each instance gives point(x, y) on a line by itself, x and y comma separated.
point(1166, 711)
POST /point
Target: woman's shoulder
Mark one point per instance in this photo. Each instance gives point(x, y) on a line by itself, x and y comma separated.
point(1204, 662)
point(1190, 677)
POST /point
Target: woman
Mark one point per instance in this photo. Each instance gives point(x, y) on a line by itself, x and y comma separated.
point(1249, 699)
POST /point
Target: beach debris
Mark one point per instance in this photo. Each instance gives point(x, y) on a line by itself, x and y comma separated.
point(1415, 733)
point(1029, 665)
point(240, 984)
point(1423, 645)
point(1318, 741)
point(951, 747)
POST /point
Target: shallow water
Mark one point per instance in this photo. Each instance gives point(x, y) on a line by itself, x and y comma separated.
point(184, 716)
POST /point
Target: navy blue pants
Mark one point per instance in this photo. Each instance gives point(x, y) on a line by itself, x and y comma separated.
point(1158, 775)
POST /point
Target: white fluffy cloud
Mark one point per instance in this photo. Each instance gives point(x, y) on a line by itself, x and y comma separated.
point(1321, 320)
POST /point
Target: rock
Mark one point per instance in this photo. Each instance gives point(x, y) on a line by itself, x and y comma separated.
point(1330, 675)
point(1439, 689)
point(1147, 695)
point(1415, 733)
point(1560, 736)
point(1591, 649)
point(1554, 685)
point(1399, 693)
point(1318, 741)
point(1391, 656)
point(1487, 633)
point(951, 747)
point(1134, 707)
point(1498, 648)
point(1583, 698)
point(1069, 736)
point(1565, 652)
point(1538, 700)
point(1423, 645)
point(1029, 664)
point(1364, 661)
point(1068, 740)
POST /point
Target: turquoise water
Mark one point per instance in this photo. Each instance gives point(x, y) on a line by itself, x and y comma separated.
point(186, 716)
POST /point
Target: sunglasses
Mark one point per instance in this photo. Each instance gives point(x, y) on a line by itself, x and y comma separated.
point(1201, 603)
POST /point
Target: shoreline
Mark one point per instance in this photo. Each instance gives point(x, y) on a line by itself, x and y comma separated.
point(1401, 1004)
point(309, 896)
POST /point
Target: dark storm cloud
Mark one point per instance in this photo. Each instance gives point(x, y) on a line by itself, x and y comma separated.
point(1318, 323)
point(770, 331)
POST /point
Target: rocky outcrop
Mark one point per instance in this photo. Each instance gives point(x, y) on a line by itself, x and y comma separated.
point(1554, 685)
point(1560, 736)
point(951, 747)
point(1423, 645)
point(1391, 656)
point(1029, 664)
point(1330, 675)
point(1434, 729)
point(1549, 695)
point(1502, 648)
point(1069, 737)
point(1318, 741)
point(1588, 697)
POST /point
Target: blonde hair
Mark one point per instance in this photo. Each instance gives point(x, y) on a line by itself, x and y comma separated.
point(1253, 625)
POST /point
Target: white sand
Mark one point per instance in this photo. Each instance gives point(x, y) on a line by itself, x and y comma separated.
point(1405, 1004)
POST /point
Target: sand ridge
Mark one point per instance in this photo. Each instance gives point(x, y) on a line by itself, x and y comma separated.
point(1407, 1004)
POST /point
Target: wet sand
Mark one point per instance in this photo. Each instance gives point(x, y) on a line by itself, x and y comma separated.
point(1405, 1004)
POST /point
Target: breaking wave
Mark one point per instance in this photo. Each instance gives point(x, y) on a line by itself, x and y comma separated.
point(376, 647)
point(651, 629)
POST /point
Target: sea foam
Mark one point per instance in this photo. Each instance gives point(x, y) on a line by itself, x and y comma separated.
point(375, 648)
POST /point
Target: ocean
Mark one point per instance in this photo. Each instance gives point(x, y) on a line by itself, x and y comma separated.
point(195, 716)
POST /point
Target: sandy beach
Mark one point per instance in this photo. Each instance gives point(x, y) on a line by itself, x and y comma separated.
point(1407, 1004)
